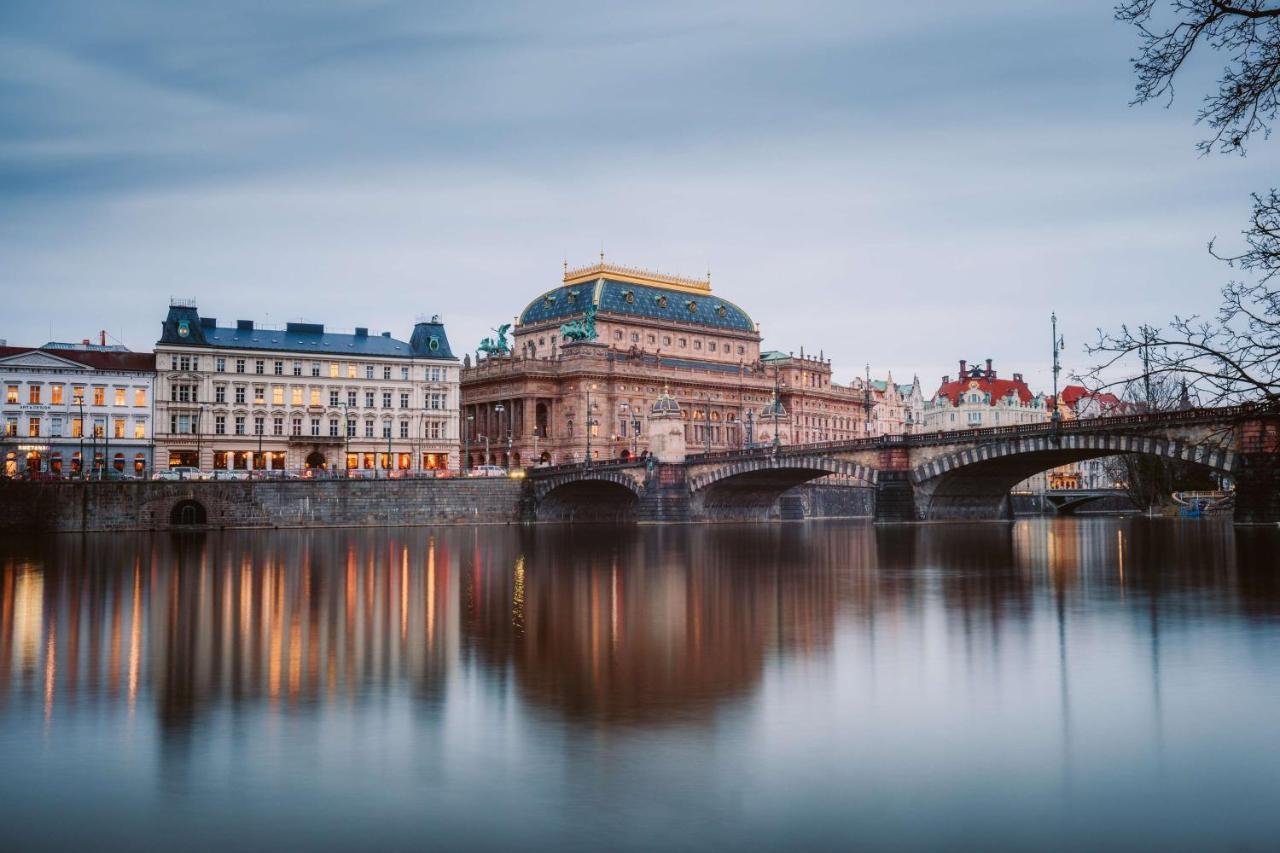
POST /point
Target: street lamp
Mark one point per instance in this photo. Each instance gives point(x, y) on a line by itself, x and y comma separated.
point(499, 409)
point(199, 412)
point(466, 462)
point(346, 439)
point(751, 436)
point(79, 401)
point(257, 428)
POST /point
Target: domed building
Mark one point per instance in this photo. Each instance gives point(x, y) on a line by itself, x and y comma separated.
point(591, 356)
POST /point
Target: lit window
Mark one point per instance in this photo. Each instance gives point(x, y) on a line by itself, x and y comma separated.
point(117, 428)
point(119, 396)
point(35, 394)
point(55, 395)
point(99, 396)
point(140, 397)
point(11, 394)
point(333, 370)
point(295, 396)
point(277, 396)
point(33, 427)
point(315, 396)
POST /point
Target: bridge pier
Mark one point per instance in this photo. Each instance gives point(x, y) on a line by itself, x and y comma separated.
point(895, 497)
point(666, 495)
point(1258, 489)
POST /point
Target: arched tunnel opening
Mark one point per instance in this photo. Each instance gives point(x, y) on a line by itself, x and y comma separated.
point(601, 501)
point(982, 490)
point(754, 495)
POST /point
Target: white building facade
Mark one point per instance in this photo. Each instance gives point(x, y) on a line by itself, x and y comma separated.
point(978, 398)
point(301, 398)
point(72, 410)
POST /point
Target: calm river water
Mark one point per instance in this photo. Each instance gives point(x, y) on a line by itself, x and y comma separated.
point(1098, 683)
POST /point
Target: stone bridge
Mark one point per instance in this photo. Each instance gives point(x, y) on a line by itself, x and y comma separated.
point(965, 474)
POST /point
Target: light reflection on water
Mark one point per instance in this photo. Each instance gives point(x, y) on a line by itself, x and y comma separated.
point(1053, 683)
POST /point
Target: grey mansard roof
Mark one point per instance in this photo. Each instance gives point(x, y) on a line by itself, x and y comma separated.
point(185, 327)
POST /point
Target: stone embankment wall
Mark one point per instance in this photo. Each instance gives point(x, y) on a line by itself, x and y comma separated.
point(68, 507)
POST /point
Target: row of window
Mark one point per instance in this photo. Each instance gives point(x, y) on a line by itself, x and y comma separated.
point(241, 425)
point(184, 393)
point(57, 395)
point(56, 425)
point(681, 343)
point(187, 362)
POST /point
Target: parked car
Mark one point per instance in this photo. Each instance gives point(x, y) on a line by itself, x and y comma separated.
point(179, 472)
point(488, 471)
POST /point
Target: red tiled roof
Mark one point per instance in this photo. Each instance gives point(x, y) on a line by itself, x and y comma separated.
point(1074, 395)
point(997, 388)
point(96, 359)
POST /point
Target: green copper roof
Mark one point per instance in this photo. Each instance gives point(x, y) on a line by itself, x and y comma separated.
point(638, 300)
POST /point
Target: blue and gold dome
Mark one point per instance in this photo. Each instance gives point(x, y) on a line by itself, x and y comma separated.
point(637, 293)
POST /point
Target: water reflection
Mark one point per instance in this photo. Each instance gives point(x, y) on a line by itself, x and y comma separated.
point(875, 641)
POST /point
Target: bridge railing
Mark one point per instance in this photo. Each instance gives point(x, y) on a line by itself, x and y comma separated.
point(925, 439)
point(1035, 430)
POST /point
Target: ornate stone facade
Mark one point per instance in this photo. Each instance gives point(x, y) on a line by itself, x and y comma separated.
point(561, 394)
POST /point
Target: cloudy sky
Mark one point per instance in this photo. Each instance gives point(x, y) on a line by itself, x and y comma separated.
point(899, 184)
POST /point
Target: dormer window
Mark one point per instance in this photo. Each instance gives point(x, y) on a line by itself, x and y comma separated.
point(661, 300)
point(692, 306)
point(629, 297)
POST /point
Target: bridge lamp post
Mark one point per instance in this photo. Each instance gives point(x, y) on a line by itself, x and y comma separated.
point(751, 436)
point(708, 419)
point(635, 427)
point(1056, 417)
point(591, 422)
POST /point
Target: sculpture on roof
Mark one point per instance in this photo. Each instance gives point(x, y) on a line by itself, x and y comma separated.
point(496, 345)
point(581, 330)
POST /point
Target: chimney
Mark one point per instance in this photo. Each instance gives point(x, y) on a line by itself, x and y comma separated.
point(963, 364)
point(102, 337)
point(1017, 377)
point(990, 373)
point(362, 332)
point(84, 341)
point(244, 325)
point(946, 379)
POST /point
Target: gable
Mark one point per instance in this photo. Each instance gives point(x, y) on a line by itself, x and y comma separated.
point(39, 358)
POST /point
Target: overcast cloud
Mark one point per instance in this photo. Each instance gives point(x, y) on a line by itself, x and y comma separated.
point(902, 186)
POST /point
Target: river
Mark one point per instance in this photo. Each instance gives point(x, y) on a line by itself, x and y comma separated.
point(1051, 683)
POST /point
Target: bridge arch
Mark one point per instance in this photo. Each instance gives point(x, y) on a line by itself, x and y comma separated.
point(751, 488)
point(975, 482)
point(606, 496)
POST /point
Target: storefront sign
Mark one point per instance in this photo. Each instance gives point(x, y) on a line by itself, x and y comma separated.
point(33, 448)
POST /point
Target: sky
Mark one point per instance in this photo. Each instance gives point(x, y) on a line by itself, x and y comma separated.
point(900, 185)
